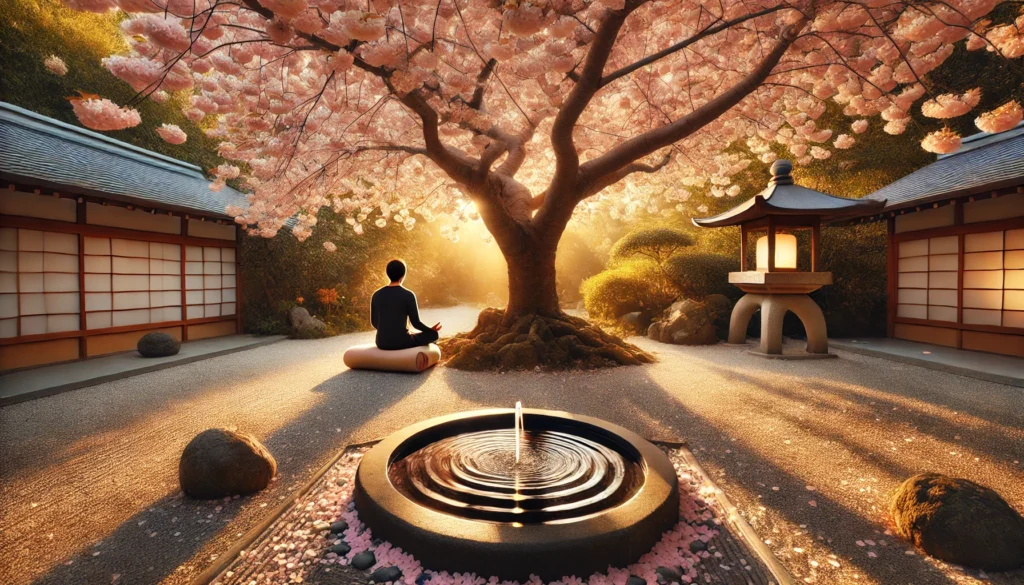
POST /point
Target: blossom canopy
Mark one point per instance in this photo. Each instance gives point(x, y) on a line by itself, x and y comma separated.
point(532, 109)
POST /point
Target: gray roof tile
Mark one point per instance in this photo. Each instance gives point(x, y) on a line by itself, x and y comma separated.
point(41, 148)
point(985, 162)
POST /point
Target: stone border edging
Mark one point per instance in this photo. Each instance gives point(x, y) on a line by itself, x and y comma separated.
point(931, 365)
point(224, 561)
point(61, 388)
point(743, 529)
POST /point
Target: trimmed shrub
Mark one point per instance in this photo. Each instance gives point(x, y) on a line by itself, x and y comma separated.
point(698, 275)
point(657, 243)
point(629, 287)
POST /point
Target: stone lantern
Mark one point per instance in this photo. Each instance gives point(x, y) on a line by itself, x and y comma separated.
point(775, 286)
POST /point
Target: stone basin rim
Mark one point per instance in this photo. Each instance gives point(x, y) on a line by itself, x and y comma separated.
point(616, 536)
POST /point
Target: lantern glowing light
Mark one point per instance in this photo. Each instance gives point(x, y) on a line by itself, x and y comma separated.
point(785, 252)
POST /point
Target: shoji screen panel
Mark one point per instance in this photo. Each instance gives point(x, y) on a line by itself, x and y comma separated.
point(912, 280)
point(943, 272)
point(38, 282)
point(209, 282)
point(131, 282)
point(1013, 279)
point(927, 279)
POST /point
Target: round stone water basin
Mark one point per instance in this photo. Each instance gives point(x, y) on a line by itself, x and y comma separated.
point(584, 495)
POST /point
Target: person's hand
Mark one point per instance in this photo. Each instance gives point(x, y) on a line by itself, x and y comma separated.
point(437, 326)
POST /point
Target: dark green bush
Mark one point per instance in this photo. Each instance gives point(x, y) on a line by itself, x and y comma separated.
point(628, 287)
point(700, 274)
point(656, 243)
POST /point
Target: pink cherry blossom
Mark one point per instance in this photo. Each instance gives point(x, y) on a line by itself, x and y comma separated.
point(56, 65)
point(103, 114)
point(1005, 117)
point(943, 141)
point(427, 97)
point(330, 247)
point(950, 105)
point(172, 134)
point(844, 141)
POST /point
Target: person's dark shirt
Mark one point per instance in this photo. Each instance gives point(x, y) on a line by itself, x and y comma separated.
point(390, 308)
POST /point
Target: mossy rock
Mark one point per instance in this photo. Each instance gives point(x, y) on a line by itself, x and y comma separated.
point(959, 521)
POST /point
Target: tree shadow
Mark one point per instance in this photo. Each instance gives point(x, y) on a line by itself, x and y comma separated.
point(349, 400)
point(629, 397)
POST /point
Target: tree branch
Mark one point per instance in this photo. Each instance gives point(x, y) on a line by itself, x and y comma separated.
point(567, 159)
point(593, 172)
point(615, 177)
point(706, 32)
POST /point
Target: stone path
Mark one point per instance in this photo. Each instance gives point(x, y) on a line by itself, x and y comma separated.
point(807, 450)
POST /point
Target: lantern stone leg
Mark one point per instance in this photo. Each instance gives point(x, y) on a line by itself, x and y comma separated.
point(773, 309)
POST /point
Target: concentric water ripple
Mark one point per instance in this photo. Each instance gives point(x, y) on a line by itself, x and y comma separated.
point(559, 477)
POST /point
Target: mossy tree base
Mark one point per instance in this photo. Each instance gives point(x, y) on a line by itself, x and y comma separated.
point(503, 343)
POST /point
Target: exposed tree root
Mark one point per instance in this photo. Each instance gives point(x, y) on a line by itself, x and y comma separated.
point(530, 341)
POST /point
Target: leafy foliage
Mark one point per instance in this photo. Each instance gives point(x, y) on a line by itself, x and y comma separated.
point(700, 274)
point(656, 243)
point(634, 285)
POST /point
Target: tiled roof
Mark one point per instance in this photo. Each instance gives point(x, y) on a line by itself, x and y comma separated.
point(782, 197)
point(985, 162)
point(34, 147)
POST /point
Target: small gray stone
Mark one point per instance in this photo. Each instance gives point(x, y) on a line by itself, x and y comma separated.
point(339, 526)
point(668, 575)
point(634, 580)
point(364, 560)
point(341, 549)
point(158, 344)
point(698, 545)
point(386, 574)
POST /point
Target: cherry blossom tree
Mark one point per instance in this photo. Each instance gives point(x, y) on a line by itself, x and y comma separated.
point(524, 113)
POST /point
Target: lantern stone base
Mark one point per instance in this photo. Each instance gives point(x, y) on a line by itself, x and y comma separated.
point(773, 308)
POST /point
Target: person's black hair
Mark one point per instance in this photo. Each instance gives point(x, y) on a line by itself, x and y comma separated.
point(395, 270)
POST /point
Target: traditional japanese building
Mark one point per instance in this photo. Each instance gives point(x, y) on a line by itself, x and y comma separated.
point(956, 247)
point(102, 242)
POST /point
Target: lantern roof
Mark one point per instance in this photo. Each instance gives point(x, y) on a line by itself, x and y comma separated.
point(783, 197)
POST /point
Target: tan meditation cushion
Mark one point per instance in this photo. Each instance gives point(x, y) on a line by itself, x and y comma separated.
point(414, 359)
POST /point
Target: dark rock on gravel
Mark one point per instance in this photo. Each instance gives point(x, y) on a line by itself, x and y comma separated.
point(668, 575)
point(220, 462)
point(386, 574)
point(634, 580)
point(958, 521)
point(364, 560)
point(697, 546)
point(339, 526)
point(341, 549)
point(158, 344)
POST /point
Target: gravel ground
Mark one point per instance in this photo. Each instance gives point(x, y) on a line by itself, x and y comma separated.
point(808, 450)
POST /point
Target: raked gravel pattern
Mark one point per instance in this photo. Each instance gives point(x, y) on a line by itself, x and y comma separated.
point(807, 450)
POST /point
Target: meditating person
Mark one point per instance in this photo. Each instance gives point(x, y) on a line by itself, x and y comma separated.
point(392, 307)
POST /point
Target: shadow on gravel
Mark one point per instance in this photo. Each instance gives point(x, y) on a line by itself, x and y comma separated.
point(301, 446)
point(628, 396)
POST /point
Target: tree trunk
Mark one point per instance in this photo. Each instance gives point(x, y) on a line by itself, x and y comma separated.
point(531, 281)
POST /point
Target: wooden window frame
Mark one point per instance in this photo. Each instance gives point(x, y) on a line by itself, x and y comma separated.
point(959, 229)
point(84, 230)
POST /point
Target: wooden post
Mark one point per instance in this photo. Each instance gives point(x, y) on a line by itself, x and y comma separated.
point(771, 244)
point(816, 245)
point(743, 248)
point(82, 324)
point(892, 273)
point(184, 296)
point(239, 324)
